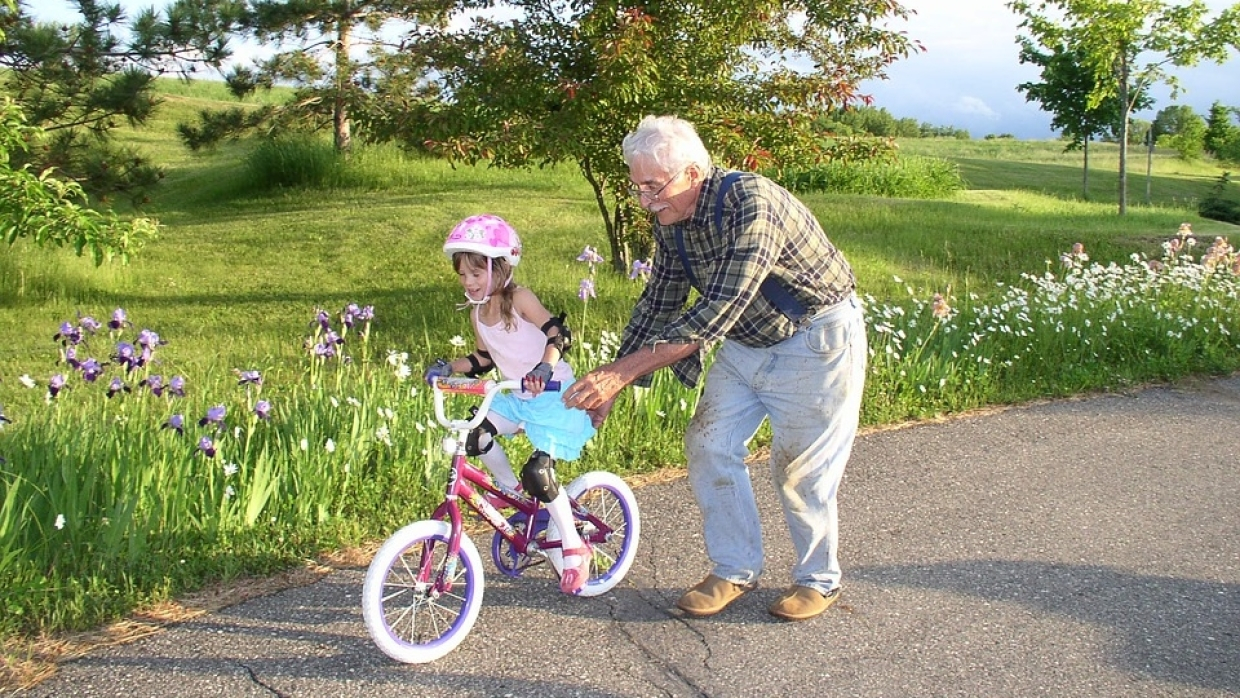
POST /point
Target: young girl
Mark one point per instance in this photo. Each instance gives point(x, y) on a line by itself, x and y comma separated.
point(516, 334)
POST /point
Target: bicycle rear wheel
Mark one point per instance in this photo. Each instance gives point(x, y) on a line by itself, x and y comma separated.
point(610, 499)
point(418, 601)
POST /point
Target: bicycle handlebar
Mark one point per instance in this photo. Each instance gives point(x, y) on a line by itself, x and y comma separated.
point(474, 386)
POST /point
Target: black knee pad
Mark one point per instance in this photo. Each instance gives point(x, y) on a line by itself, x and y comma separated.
point(538, 477)
point(475, 435)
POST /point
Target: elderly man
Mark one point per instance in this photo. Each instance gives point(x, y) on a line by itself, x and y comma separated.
point(778, 298)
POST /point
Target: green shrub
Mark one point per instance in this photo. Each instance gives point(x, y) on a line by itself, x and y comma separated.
point(907, 177)
point(1223, 201)
point(293, 161)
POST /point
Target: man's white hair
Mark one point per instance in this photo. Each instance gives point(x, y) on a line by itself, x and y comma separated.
point(670, 142)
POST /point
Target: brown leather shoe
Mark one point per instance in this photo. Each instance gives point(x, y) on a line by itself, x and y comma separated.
point(712, 595)
point(801, 603)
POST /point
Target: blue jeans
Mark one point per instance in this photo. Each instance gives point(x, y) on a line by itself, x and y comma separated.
point(810, 386)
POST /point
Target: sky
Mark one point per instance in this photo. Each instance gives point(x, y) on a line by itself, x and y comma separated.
point(967, 76)
point(968, 73)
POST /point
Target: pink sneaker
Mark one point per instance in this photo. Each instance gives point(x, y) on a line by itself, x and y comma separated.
point(573, 579)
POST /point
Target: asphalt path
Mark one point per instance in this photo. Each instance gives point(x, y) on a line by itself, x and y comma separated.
point(1074, 548)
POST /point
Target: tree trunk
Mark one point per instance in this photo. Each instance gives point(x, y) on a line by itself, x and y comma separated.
point(1149, 166)
point(1125, 112)
point(340, 109)
point(613, 220)
point(1085, 176)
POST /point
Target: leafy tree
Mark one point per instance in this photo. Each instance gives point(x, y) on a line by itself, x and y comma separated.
point(1113, 39)
point(340, 64)
point(1172, 120)
point(48, 210)
point(1189, 139)
point(79, 81)
point(1064, 92)
point(564, 81)
point(1220, 131)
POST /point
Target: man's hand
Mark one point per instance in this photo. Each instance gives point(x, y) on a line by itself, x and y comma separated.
point(595, 389)
point(599, 414)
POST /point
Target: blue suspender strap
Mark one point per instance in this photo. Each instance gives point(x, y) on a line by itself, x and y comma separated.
point(771, 288)
point(679, 232)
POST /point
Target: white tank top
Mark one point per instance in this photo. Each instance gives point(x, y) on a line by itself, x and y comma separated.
point(518, 350)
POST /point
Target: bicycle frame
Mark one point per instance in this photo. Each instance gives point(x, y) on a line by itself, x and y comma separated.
point(468, 483)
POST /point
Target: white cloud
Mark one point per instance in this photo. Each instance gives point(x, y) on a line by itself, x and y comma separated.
point(975, 106)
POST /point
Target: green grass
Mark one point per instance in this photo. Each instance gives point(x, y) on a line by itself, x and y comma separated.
point(235, 278)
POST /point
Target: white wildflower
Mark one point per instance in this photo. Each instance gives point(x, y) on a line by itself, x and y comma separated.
point(395, 358)
point(60, 521)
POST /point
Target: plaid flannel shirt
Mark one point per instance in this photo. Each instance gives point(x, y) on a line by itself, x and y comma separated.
point(765, 231)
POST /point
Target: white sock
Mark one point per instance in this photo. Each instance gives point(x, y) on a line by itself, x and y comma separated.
point(562, 525)
point(496, 461)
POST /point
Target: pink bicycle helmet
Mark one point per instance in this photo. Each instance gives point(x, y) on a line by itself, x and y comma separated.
point(487, 235)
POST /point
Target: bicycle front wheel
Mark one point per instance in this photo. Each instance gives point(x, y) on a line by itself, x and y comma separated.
point(418, 601)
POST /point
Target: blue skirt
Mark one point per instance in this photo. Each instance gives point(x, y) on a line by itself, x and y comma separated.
point(551, 427)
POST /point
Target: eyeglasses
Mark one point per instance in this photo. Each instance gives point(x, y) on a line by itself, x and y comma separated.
point(656, 193)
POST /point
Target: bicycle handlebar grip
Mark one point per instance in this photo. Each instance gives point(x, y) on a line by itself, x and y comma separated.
point(548, 387)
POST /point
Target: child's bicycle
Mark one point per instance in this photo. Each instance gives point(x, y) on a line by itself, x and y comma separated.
point(424, 587)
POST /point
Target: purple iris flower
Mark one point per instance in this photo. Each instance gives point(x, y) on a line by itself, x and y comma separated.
point(176, 422)
point(56, 384)
point(367, 313)
point(126, 356)
point(119, 319)
point(89, 324)
point(325, 351)
point(206, 446)
point(149, 339)
point(71, 357)
point(215, 416)
point(4, 419)
point(586, 290)
point(69, 334)
point(349, 315)
point(177, 386)
point(91, 369)
point(262, 408)
point(332, 338)
point(153, 383)
point(250, 377)
point(641, 268)
point(591, 255)
point(117, 386)
point(324, 320)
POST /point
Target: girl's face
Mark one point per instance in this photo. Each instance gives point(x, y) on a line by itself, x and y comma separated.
point(474, 279)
